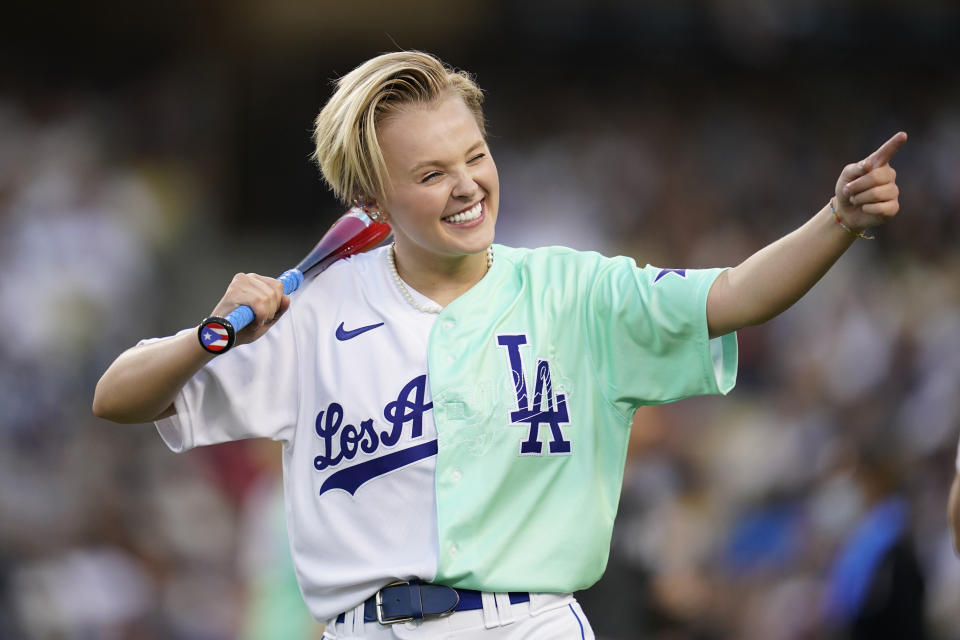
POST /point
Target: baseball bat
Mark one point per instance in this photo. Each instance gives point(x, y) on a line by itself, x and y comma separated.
point(353, 232)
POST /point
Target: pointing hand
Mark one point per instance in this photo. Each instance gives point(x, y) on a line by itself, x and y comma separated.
point(867, 192)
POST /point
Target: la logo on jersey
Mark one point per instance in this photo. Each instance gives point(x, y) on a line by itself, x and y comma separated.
point(545, 410)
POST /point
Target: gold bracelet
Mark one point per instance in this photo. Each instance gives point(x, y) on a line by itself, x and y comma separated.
point(845, 227)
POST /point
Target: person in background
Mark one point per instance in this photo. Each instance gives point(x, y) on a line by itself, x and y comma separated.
point(876, 587)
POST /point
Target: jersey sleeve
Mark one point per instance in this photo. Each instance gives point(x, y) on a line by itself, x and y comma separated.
point(648, 335)
point(247, 392)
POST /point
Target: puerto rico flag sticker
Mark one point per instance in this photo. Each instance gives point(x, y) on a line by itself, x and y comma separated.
point(214, 337)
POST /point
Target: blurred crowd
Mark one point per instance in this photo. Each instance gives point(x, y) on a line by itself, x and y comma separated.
point(807, 504)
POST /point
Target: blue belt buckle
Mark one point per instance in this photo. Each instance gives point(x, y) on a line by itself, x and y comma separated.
point(378, 599)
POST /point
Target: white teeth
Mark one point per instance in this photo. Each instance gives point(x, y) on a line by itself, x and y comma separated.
point(465, 216)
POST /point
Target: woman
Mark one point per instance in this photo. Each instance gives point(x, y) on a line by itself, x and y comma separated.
point(456, 413)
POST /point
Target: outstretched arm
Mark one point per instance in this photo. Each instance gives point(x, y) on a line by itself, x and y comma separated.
point(771, 280)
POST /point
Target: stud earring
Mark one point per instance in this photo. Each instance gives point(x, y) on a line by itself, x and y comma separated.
point(361, 202)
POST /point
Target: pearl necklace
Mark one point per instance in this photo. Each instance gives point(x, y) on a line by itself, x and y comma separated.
point(432, 307)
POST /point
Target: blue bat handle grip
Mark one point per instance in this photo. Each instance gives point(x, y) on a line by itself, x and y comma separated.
point(218, 334)
point(243, 315)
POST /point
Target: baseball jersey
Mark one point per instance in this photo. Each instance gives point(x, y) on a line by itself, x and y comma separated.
point(536, 372)
point(341, 381)
point(482, 447)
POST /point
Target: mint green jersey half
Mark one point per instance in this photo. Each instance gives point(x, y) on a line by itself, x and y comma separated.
point(535, 374)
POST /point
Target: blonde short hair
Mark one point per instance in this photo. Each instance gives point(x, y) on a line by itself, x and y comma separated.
point(347, 149)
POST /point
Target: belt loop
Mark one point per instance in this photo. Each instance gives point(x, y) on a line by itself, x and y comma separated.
point(490, 617)
point(504, 610)
point(355, 622)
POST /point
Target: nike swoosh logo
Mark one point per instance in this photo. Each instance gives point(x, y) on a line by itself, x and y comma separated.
point(343, 334)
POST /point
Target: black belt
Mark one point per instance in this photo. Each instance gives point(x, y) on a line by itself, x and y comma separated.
point(406, 601)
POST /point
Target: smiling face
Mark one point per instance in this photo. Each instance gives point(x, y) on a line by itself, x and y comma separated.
point(444, 190)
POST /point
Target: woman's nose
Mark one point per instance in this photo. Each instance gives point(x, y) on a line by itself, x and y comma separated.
point(465, 187)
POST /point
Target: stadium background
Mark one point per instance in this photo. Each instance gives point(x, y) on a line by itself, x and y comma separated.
point(148, 152)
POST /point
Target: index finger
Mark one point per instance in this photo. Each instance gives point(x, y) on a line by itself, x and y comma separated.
point(882, 155)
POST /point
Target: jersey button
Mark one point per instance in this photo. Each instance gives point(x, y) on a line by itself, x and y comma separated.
point(456, 476)
point(453, 549)
point(449, 324)
point(451, 359)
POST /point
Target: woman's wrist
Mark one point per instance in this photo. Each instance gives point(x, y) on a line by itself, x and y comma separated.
point(853, 232)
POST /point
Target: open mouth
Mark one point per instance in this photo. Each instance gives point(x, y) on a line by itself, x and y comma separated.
point(469, 215)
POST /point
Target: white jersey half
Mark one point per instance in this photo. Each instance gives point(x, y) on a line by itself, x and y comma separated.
point(341, 380)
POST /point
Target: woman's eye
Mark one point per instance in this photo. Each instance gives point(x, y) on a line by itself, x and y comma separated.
point(430, 176)
point(477, 157)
